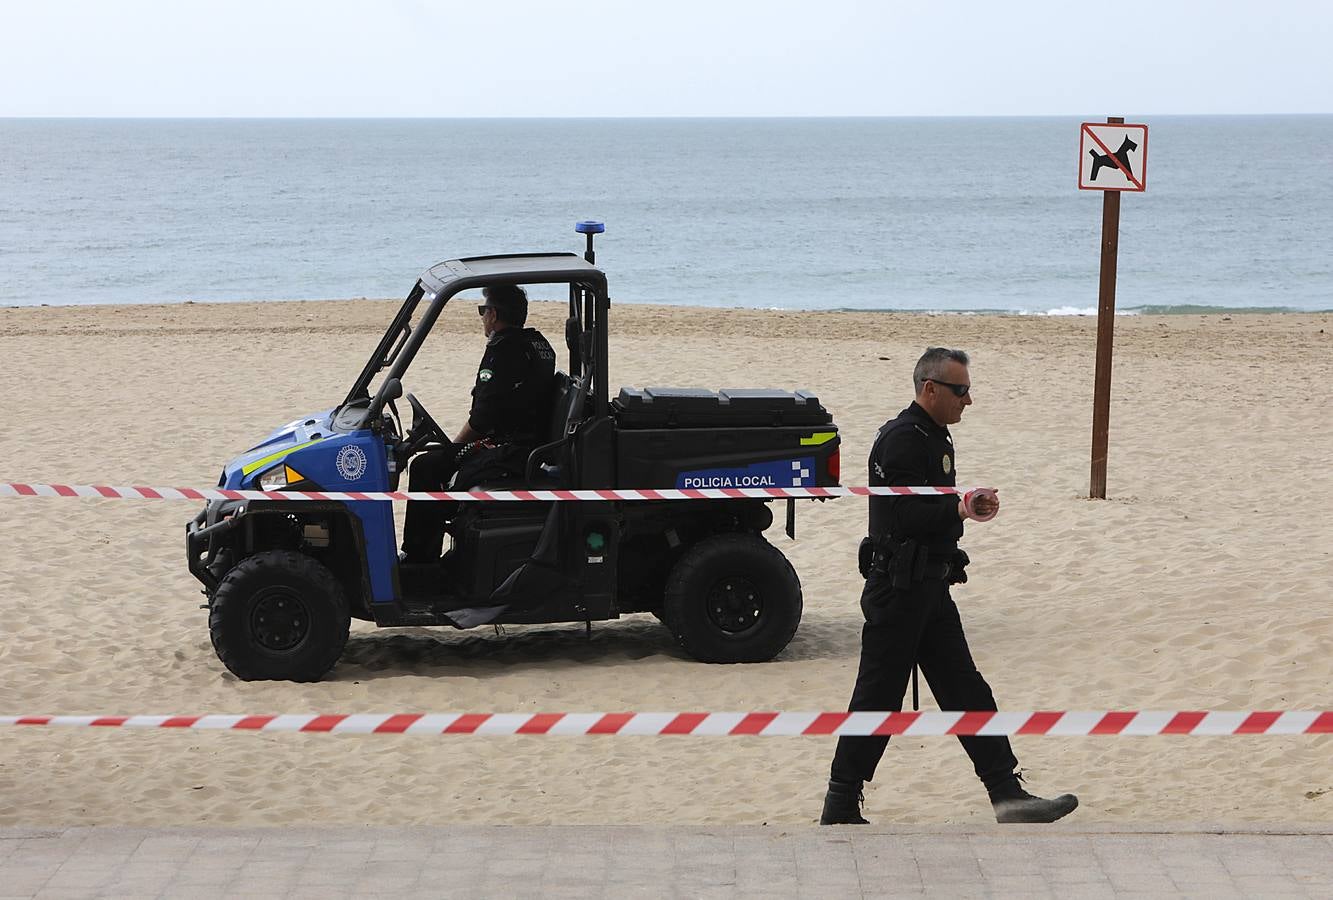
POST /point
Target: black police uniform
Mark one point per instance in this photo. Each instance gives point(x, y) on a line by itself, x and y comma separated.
point(510, 410)
point(910, 617)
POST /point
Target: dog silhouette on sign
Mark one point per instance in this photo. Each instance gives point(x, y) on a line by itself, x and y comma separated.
point(1102, 159)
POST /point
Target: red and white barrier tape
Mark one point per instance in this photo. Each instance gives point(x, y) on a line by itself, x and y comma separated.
point(721, 724)
point(15, 489)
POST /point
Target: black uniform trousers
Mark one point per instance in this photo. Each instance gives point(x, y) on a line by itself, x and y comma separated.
point(423, 525)
point(917, 625)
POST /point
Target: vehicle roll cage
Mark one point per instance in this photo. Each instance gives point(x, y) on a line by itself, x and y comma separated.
point(585, 329)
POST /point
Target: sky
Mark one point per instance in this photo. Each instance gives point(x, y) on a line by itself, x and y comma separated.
point(430, 58)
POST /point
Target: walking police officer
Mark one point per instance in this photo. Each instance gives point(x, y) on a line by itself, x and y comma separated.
point(909, 560)
point(511, 403)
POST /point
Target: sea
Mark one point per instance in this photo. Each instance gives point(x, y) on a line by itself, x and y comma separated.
point(916, 214)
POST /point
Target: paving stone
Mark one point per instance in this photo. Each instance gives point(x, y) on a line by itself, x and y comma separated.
point(1211, 892)
point(1268, 886)
point(65, 893)
point(1133, 881)
point(1255, 866)
point(142, 886)
point(1001, 868)
point(1072, 874)
point(1088, 892)
point(878, 889)
point(1018, 885)
point(320, 892)
point(958, 892)
point(81, 879)
point(959, 874)
point(635, 892)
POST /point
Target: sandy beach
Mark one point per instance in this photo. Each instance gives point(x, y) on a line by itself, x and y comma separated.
point(1201, 583)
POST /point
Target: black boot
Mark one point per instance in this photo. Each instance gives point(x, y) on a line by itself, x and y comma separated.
point(1013, 804)
point(842, 804)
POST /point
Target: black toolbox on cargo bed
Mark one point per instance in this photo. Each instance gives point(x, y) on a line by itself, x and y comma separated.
point(690, 438)
point(657, 407)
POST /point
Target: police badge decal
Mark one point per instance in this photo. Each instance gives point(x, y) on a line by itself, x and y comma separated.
point(351, 462)
point(947, 462)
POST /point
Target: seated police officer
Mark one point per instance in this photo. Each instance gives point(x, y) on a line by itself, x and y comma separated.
point(510, 409)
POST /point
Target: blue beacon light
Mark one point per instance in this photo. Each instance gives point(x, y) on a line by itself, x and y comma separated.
point(589, 227)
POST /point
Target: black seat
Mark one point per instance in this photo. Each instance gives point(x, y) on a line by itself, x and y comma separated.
point(560, 388)
point(549, 464)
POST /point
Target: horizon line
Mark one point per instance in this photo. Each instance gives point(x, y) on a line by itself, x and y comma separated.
point(708, 117)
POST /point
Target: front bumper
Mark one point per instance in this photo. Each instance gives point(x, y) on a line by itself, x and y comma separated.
point(205, 538)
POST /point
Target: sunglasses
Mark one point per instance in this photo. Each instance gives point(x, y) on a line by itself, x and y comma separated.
point(959, 390)
point(481, 310)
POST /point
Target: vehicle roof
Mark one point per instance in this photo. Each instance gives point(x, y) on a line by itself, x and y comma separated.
point(511, 268)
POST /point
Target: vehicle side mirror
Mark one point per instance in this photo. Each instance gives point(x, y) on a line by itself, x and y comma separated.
point(393, 389)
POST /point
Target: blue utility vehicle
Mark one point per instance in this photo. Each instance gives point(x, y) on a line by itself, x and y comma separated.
point(283, 578)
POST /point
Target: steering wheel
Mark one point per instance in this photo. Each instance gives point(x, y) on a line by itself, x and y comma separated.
point(424, 428)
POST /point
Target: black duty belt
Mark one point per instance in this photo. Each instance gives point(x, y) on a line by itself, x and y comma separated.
point(908, 562)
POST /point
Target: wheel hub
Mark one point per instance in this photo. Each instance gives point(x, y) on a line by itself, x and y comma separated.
point(735, 605)
point(279, 620)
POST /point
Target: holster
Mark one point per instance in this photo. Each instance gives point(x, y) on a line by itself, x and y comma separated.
point(958, 567)
point(902, 562)
point(907, 564)
point(865, 555)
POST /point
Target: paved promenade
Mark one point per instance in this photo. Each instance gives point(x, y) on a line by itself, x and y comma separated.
point(640, 861)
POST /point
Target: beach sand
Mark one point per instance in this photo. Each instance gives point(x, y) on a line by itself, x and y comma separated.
point(1201, 583)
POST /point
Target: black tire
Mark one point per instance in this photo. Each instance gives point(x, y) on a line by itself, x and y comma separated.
point(279, 616)
point(733, 598)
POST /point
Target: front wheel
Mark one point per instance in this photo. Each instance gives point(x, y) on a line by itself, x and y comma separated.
point(733, 598)
point(279, 616)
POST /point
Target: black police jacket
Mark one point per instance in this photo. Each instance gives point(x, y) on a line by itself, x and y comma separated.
point(512, 397)
point(912, 450)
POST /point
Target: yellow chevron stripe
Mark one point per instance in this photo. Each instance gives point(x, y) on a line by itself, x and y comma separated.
point(819, 437)
point(274, 457)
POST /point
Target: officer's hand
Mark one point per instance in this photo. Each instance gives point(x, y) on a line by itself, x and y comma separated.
point(980, 505)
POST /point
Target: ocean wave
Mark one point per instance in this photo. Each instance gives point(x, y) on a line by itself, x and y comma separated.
point(1075, 311)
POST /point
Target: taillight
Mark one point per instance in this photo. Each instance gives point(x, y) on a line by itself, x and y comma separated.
point(835, 465)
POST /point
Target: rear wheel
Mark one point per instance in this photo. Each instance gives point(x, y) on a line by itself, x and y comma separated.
point(733, 598)
point(279, 615)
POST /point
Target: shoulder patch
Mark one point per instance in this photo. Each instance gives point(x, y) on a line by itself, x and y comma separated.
point(484, 375)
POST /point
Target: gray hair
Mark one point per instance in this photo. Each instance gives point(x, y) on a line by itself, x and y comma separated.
point(931, 365)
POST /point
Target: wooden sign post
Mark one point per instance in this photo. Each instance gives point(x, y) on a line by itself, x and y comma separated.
point(1111, 172)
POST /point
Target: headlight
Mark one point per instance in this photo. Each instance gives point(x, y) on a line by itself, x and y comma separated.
point(282, 477)
point(275, 479)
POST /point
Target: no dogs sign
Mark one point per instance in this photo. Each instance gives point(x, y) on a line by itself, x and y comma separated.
point(1112, 157)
